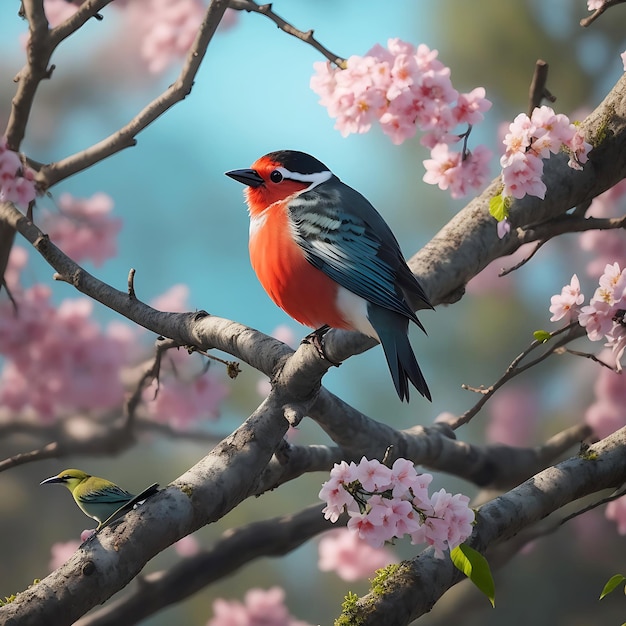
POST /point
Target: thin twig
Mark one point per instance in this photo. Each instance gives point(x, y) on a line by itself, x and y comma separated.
point(618, 493)
point(587, 21)
point(232, 367)
point(589, 355)
point(150, 374)
point(538, 90)
point(568, 223)
point(125, 136)
point(507, 270)
point(131, 283)
point(307, 37)
point(87, 10)
point(573, 330)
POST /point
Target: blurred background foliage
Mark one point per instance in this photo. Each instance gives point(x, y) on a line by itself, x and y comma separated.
point(184, 222)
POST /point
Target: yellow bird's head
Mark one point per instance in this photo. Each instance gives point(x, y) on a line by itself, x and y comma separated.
point(71, 478)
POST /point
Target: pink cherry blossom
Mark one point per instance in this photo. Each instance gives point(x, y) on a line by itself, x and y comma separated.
point(419, 495)
point(607, 246)
point(470, 107)
point(334, 491)
point(513, 416)
point(164, 29)
point(521, 175)
point(606, 414)
point(529, 141)
point(449, 525)
point(407, 89)
point(18, 258)
point(57, 11)
point(180, 402)
point(369, 528)
point(519, 137)
point(394, 504)
point(579, 151)
point(503, 228)
point(568, 302)
point(350, 557)
point(57, 359)
point(187, 546)
point(401, 517)
point(174, 300)
point(605, 417)
point(403, 476)
point(259, 608)
point(16, 179)
point(61, 552)
point(372, 474)
point(442, 169)
point(604, 315)
point(84, 228)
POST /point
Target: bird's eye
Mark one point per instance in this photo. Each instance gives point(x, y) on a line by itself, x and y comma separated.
point(276, 176)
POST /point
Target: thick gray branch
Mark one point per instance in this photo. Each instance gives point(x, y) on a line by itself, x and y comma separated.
point(419, 583)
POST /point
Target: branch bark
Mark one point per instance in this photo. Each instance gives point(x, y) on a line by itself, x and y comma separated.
point(418, 584)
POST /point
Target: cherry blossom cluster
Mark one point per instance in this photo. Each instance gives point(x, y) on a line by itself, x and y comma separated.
point(84, 228)
point(532, 139)
point(259, 607)
point(604, 316)
point(405, 89)
point(17, 181)
point(163, 29)
point(384, 503)
point(58, 359)
point(185, 392)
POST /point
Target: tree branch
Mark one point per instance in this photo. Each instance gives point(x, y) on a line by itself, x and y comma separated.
point(538, 87)
point(51, 174)
point(587, 21)
point(419, 583)
point(307, 37)
point(235, 548)
point(109, 561)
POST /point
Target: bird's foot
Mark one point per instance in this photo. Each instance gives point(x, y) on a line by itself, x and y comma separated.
point(316, 339)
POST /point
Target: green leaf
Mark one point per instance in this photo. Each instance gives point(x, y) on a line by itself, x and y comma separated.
point(474, 565)
point(499, 207)
point(612, 584)
point(542, 335)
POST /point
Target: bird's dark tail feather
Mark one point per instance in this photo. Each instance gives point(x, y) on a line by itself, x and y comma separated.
point(399, 353)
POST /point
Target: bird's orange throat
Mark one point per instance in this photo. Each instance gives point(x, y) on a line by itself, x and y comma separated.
point(301, 290)
point(260, 198)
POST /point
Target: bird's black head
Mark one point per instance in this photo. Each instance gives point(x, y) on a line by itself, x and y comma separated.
point(296, 161)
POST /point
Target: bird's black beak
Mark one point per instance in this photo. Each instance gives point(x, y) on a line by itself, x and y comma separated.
point(51, 480)
point(247, 177)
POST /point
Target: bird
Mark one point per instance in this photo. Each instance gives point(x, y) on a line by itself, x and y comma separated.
point(326, 257)
point(98, 498)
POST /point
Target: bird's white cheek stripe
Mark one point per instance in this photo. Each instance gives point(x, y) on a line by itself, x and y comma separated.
point(315, 178)
point(354, 310)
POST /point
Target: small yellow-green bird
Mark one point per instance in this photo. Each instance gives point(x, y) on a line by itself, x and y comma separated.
point(98, 498)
